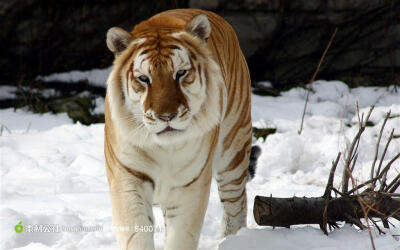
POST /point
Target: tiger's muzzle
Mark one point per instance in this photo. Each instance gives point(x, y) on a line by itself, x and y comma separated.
point(167, 123)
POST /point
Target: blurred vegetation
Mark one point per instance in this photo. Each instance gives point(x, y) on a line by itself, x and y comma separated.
point(78, 109)
point(78, 100)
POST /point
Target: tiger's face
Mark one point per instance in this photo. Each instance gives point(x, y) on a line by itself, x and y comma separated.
point(164, 84)
point(164, 78)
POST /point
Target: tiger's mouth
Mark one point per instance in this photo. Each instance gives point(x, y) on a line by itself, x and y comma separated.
point(167, 129)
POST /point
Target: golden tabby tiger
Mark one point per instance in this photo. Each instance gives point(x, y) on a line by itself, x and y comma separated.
point(177, 112)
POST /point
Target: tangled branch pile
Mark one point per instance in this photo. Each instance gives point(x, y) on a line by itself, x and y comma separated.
point(356, 203)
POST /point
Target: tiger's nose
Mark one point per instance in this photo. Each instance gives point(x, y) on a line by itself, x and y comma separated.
point(167, 117)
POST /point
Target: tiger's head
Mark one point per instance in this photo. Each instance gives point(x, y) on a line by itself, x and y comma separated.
point(164, 86)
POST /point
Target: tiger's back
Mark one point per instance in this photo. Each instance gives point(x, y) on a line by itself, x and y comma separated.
point(235, 128)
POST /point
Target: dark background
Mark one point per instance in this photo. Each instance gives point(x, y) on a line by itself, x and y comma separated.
point(282, 40)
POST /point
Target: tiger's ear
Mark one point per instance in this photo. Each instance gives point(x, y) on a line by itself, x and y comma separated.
point(199, 26)
point(118, 39)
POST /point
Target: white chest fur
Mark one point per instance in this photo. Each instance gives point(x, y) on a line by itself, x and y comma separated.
point(169, 166)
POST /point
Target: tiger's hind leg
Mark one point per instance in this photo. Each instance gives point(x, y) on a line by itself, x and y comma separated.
point(232, 176)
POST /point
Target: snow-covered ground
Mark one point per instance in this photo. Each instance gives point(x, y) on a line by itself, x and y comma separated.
point(52, 172)
point(95, 77)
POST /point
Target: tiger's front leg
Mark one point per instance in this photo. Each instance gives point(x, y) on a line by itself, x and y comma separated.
point(132, 211)
point(231, 179)
point(184, 213)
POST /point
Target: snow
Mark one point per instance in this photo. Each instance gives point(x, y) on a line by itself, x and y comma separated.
point(12, 92)
point(305, 238)
point(8, 92)
point(53, 173)
point(96, 77)
point(23, 120)
point(265, 84)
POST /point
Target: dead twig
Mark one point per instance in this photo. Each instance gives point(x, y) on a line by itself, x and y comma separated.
point(351, 151)
point(377, 145)
point(383, 181)
point(327, 194)
point(313, 78)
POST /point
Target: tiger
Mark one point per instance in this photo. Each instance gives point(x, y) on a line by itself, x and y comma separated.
point(177, 112)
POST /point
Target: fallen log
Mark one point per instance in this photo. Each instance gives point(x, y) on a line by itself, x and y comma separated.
point(285, 212)
point(373, 199)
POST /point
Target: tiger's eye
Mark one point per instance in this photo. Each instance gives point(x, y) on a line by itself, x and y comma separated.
point(180, 73)
point(144, 79)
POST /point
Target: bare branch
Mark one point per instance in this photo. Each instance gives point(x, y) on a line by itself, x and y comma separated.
point(387, 194)
point(377, 227)
point(387, 167)
point(368, 115)
point(329, 185)
point(396, 181)
point(368, 227)
point(358, 114)
point(354, 162)
point(327, 194)
point(383, 181)
point(313, 78)
point(352, 149)
point(377, 145)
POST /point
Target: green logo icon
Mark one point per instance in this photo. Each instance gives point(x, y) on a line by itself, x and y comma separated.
point(19, 227)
